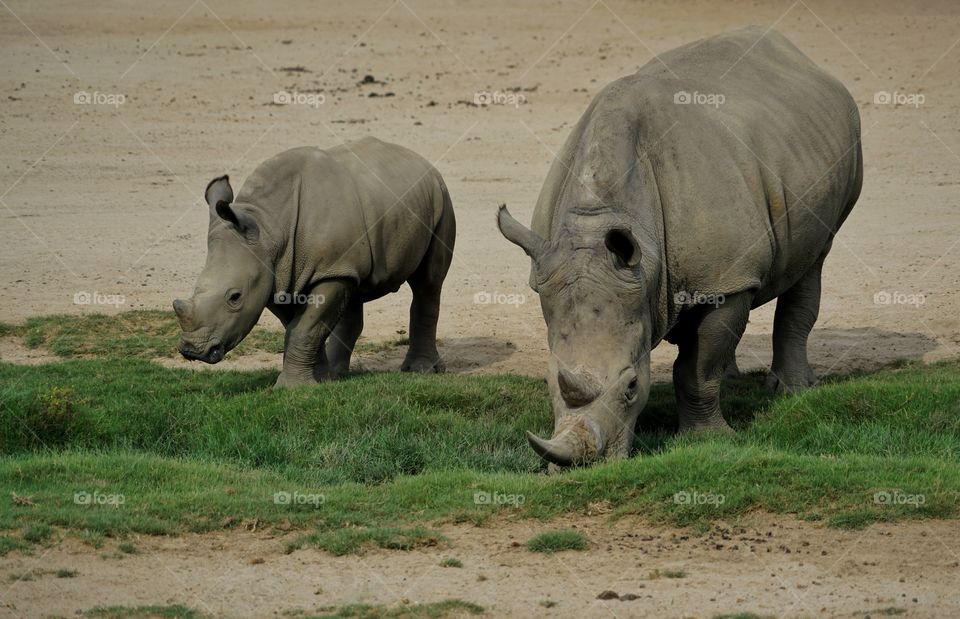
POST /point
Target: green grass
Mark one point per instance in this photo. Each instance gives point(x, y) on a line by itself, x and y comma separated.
point(550, 542)
point(8, 543)
point(144, 334)
point(655, 574)
point(436, 610)
point(37, 533)
point(105, 447)
point(349, 540)
point(128, 548)
point(143, 612)
point(37, 572)
point(451, 562)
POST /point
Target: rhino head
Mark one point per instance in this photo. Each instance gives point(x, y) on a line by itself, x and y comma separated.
point(595, 303)
point(235, 284)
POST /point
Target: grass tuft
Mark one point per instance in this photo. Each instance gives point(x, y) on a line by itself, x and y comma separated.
point(550, 542)
point(144, 612)
point(435, 610)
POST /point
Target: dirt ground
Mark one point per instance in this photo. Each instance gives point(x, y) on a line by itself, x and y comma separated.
point(768, 566)
point(116, 115)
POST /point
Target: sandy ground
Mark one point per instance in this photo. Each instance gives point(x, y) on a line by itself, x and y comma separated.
point(116, 115)
point(106, 198)
point(771, 567)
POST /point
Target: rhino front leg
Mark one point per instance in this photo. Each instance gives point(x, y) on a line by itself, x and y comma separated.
point(797, 311)
point(341, 342)
point(304, 356)
point(707, 345)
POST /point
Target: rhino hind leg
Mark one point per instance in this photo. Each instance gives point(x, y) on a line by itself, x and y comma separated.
point(343, 338)
point(797, 311)
point(426, 284)
point(707, 345)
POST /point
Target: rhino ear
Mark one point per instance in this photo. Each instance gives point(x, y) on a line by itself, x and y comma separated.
point(218, 190)
point(518, 234)
point(243, 222)
point(219, 196)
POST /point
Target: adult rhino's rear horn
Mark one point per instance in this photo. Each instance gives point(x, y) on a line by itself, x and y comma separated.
point(518, 234)
point(576, 389)
point(184, 311)
point(578, 443)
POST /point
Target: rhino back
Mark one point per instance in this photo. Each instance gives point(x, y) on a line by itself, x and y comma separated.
point(401, 196)
point(357, 211)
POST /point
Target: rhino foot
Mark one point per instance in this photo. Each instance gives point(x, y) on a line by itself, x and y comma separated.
point(423, 364)
point(289, 379)
point(714, 423)
point(785, 383)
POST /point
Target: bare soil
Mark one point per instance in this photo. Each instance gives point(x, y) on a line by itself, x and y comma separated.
point(771, 566)
point(106, 200)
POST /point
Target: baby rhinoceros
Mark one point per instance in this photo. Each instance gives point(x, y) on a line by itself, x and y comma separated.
point(312, 235)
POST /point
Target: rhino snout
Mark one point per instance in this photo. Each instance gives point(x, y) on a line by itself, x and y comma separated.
point(212, 354)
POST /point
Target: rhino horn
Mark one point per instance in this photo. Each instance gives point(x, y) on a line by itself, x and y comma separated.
point(518, 234)
point(576, 389)
point(184, 311)
point(579, 443)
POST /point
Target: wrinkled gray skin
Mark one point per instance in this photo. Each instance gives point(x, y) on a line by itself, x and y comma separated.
point(655, 211)
point(312, 236)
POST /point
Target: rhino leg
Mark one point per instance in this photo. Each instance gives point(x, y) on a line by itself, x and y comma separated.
point(304, 357)
point(797, 311)
point(706, 346)
point(344, 337)
point(732, 370)
point(426, 282)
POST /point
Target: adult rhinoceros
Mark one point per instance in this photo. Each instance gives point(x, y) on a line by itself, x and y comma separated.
point(708, 183)
point(312, 235)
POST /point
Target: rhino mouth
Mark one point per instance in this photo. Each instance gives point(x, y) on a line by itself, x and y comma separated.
point(213, 354)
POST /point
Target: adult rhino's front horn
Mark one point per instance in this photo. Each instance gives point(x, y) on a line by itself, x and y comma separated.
point(579, 441)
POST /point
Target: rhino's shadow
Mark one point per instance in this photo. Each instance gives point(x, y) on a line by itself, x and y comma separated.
point(460, 354)
point(835, 354)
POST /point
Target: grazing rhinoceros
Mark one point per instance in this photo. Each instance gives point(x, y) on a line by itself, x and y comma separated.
point(708, 183)
point(312, 236)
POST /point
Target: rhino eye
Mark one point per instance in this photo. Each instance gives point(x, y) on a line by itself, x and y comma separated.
point(234, 297)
